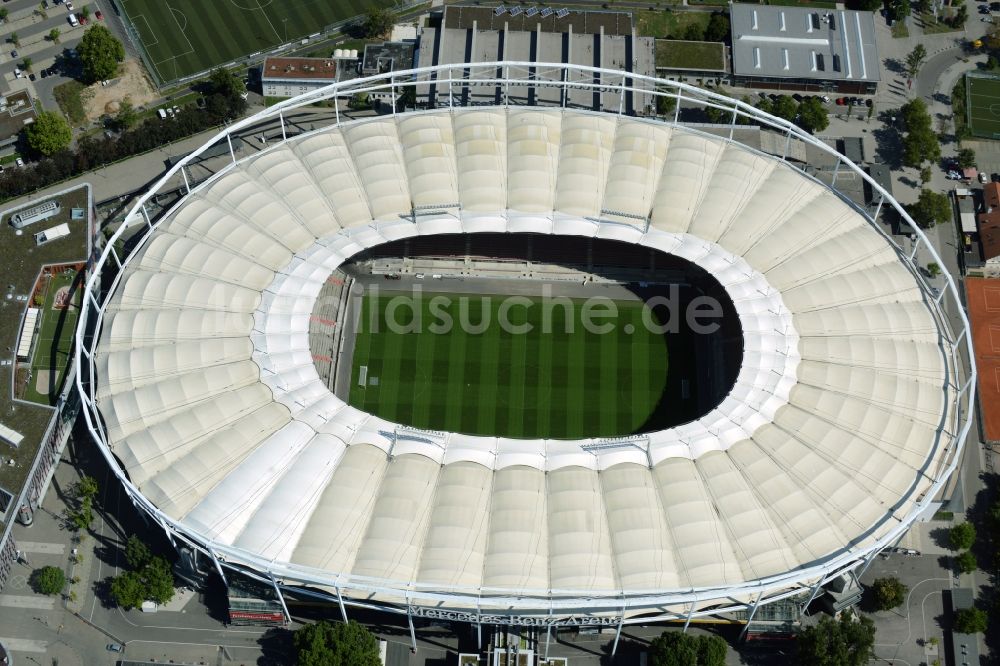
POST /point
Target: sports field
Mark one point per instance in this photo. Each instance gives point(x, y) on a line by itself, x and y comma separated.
point(183, 37)
point(565, 385)
point(983, 93)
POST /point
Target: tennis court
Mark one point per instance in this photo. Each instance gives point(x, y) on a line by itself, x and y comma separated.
point(184, 37)
point(984, 311)
point(983, 100)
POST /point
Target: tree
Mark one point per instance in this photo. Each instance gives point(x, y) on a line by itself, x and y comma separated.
point(136, 553)
point(127, 117)
point(85, 487)
point(966, 158)
point(925, 175)
point(54, 35)
point(717, 29)
point(100, 53)
point(81, 517)
point(378, 22)
point(966, 562)
point(48, 580)
point(335, 644)
point(931, 208)
point(128, 590)
point(674, 648)
point(26, 64)
point(85, 11)
point(693, 33)
point(4, 13)
point(915, 60)
point(844, 642)
point(664, 104)
point(14, 39)
point(933, 269)
point(226, 98)
point(49, 134)
point(970, 621)
point(889, 593)
point(784, 107)
point(812, 115)
point(962, 536)
point(867, 5)
point(920, 142)
point(159, 580)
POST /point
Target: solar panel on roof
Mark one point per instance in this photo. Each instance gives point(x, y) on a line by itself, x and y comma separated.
point(531, 11)
point(499, 10)
point(514, 11)
point(546, 12)
point(562, 13)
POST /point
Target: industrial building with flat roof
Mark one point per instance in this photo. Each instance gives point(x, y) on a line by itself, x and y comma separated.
point(804, 49)
point(592, 39)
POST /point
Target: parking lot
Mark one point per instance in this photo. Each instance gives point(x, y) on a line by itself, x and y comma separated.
point(32, 25)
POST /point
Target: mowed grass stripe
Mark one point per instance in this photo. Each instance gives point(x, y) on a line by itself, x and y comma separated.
point(576, 378)
point(610, 406)
point(488, 344)
point(516, 379)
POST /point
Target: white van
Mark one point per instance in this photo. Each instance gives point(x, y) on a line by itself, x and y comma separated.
point(72, 20)
point(162, 114)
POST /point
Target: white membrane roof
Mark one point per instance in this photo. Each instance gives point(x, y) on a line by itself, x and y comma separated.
point(211, 401)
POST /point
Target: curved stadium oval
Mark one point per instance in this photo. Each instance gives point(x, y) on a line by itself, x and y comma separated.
point(839, 416)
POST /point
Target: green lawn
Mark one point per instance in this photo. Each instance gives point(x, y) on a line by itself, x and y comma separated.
point(534, 384)
point(668, 24)
point(671, 54)
point(55, 339)
point(183, 37)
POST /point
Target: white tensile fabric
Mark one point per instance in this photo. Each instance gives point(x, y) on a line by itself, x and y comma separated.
point(213, 406)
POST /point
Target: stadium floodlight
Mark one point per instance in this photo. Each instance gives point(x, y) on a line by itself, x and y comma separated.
point(848, 415)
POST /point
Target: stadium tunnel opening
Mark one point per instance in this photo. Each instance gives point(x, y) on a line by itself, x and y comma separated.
point(701, 366)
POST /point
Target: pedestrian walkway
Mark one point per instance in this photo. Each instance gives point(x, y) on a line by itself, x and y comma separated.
point(24, 644)
point(18, 601)
point(41, 547)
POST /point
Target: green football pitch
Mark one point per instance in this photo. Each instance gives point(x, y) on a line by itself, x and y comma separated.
point(984, 105)
point(565, 385)
point(184, 37)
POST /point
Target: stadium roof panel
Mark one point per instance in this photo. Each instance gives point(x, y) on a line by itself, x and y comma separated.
point(839, 413)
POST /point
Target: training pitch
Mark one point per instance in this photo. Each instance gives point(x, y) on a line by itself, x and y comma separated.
point(983, 105)
point(566, 385)
point(184, 37)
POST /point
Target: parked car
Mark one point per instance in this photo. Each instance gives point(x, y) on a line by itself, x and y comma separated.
point(44, 73)
point(825, 98)
point(983, 178)
point(82, 19)
point(69, 6)
point(19, 162)
point(72, 20)
point(995, 6)
point(31, 77)
point(13, 54)
point(98, 15)
point(954, 175)
point(841, 101)
point(17, 72)
point(995, 177)
point(116, 647)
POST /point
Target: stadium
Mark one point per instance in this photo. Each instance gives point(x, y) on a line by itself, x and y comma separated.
point(837, 420)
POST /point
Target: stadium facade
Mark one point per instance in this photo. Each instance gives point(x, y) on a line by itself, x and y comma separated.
point(847, 416)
